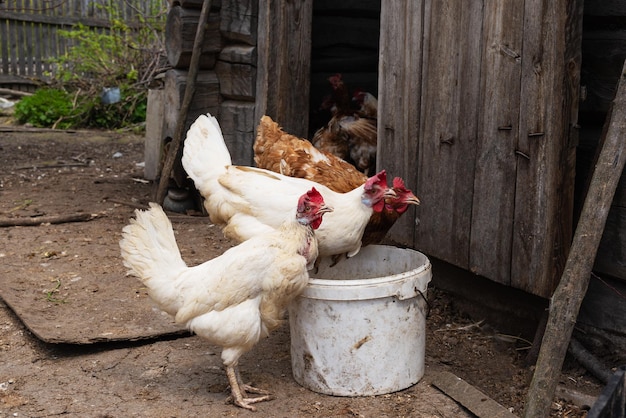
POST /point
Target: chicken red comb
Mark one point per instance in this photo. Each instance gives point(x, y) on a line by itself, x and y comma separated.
point(312, 196)
point(334, 80)
point(398, 183)
point(376, 179)
point(315, 196)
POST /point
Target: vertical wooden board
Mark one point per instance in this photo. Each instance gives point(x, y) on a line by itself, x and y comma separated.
point(283, 64)
point(27, 59)
point(399, 72)
point(153, 143)
point(4, 46)
point(37, 56)
point(544, 189)
point(13, 36)
point(494, 181)
point(447, 136)
point(238, 125)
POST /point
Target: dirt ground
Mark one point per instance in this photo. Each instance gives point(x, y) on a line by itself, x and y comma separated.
point(45, 173)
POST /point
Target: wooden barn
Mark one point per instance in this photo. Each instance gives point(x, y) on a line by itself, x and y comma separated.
point(490, 111)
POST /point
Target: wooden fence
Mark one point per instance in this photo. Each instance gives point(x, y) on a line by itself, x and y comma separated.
point(29, 32)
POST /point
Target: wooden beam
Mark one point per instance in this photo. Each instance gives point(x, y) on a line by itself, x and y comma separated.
point(184, 109)
point(481, 405)
point(568, 296)
point(283, 63)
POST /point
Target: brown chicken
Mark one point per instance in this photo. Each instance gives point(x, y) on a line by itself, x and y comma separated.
point(349, 134)
point(278, 151)
point(367, 103)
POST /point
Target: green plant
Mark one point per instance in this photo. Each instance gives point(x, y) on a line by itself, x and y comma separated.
point(123, 55)
point(46, 108)
point(50, 293)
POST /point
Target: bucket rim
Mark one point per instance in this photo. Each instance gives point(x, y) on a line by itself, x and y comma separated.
point(402, 285)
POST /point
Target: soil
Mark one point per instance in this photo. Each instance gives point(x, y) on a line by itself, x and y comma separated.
point(49, 173)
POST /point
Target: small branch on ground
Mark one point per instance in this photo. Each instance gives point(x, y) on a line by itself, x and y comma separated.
point(53, 219)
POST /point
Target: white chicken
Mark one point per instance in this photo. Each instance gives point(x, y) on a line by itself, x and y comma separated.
point(232, 300)
point(248, 201)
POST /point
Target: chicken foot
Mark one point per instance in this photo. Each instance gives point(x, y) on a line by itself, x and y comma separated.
point(238, 390)
point(249, 388)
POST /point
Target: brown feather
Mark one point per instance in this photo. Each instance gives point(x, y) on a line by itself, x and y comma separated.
point(278, 151)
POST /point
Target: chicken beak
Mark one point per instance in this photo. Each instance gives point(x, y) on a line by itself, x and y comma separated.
point(411, 199)
point(389, 193)
point(324, 209)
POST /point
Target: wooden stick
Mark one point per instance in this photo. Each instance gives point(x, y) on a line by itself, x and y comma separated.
point(568, 296)
point(192, 75)
point(590, 362)
point(471, 398)
point(53, 219)
point(16, 93)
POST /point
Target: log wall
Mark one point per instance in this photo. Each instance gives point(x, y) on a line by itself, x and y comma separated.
point(226, 81)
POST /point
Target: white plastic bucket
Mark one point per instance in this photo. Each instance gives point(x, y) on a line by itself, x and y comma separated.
point(358, 329)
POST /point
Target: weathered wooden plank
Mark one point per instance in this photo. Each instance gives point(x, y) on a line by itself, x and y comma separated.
point(4, 46)
point(400, 75)
point(28, 63)
point(37, 53)
point(238, 125)
point(239, 20)
point(284, 55)
point(498, 115)
point(153, 144)
point(13, 56)
point(547, 138)
point(481, 405)
point(448, 128)
point(181, 26)
point(53, 20)
point(236, 70)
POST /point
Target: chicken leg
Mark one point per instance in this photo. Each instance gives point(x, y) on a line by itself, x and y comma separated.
point(238, 390)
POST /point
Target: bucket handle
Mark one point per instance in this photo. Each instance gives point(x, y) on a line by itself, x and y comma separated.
point(425, 300)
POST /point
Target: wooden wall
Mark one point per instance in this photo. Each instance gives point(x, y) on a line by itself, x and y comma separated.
point(478, 111)
point(478, 106)
point(226, 81)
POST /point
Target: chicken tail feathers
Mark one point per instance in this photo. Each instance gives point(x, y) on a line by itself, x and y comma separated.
point(205, 154)
point(150, 252)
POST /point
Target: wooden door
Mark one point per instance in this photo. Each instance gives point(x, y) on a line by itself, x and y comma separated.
point(477, 111)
